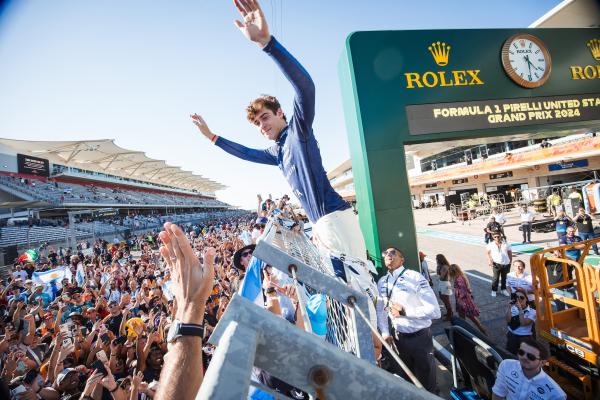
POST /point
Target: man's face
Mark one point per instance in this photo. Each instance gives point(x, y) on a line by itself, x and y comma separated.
point(70, 382)
point(570, 231)
point(526, 353)
point(270, 124)
point(497, 237)
point(155, 358)
point(392, 258)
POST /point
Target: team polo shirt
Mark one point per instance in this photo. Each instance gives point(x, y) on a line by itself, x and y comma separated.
point(410, 289)
point(513, 385)
point(523, 330)
point(573, 254)
point(514, 282)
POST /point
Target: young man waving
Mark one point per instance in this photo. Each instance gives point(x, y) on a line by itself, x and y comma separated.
point(296, 151)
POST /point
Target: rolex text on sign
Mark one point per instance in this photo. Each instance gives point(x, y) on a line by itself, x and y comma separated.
point(441, 53)
point(586, 72)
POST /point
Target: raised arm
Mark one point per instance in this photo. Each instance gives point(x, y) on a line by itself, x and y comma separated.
point(267, 156)
point(255, 28)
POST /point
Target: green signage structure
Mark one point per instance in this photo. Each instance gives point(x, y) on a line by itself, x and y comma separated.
point(410, 87)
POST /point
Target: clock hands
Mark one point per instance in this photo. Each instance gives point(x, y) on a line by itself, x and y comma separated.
point(530, 64)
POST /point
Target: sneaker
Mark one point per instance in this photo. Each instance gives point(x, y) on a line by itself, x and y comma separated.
point(524, 242)
point(493, 293)
point(505, 293)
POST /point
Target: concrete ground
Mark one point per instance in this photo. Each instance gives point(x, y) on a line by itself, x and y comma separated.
point(462, 243)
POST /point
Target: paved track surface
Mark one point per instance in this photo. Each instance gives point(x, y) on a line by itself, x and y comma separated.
point(462, 243)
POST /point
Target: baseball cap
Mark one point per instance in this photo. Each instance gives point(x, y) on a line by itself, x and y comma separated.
point(63, 374)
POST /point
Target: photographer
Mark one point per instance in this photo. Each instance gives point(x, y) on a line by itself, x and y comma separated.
point(520, 319)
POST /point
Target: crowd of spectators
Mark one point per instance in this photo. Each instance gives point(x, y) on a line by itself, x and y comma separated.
point(98, 331)
point(58, 192)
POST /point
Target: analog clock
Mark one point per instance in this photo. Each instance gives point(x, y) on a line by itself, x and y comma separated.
point(526, 60)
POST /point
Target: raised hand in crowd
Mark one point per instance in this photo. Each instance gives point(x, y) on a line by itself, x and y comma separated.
point(193, 284)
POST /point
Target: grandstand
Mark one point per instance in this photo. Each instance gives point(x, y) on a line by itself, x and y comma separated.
point(43, 183)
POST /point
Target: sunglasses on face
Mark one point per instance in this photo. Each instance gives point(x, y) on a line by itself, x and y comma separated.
point(496, 237)
point(521, 297)
point(246, 253)
point(391, 253)
point(530, 357)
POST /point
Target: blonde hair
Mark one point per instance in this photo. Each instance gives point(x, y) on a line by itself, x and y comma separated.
point(454, 271)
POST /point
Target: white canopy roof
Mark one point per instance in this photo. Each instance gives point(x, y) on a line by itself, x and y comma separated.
point(106, 157)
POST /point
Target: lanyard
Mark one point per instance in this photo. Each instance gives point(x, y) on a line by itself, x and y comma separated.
point(387, 288)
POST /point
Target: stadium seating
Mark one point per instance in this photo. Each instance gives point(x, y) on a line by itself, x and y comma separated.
point(72, 193)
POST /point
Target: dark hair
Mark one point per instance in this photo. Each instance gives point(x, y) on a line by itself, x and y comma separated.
point(441, 259)
point(534, 343)
point(522, 291)
point(264, 101)
point(520, 261)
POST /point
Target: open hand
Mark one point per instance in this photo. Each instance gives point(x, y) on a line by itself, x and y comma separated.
point(254, 26)
point(193, 282)
point(202, 126)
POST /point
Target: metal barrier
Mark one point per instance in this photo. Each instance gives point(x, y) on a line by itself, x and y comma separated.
point(340, 367)
point(248, 336)
point(282, 248)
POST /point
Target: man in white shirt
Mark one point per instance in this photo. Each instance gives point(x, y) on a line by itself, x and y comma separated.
point(19, 273)
point(499, 255)
point(527, 218)
point(524, 378)
point(407, 304)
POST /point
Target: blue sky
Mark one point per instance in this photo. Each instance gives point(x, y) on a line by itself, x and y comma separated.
point(134, 70)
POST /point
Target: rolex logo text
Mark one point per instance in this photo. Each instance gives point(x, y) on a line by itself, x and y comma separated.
point(440, 52)
point(589, 71)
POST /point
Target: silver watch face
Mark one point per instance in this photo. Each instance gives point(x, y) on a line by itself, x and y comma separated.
point(173, 331)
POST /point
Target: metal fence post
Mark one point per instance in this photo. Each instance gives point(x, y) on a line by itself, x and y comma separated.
point(228, 375)
point(248, 336)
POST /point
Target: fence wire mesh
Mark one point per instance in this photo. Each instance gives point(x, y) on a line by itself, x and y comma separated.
point(341, 326)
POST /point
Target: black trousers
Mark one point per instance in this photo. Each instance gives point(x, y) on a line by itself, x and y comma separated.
point(416, 350)
point(526, 227)
point(500, 272)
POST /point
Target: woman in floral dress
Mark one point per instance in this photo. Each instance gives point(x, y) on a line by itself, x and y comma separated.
point(465, 305)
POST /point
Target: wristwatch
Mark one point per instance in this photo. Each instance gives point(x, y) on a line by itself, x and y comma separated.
point(179, 329)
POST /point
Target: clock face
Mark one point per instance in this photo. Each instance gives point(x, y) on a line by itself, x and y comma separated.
point(526, 60)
